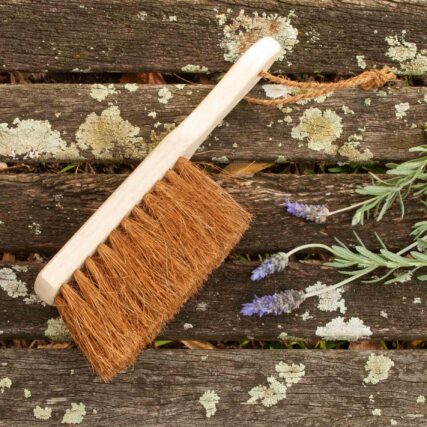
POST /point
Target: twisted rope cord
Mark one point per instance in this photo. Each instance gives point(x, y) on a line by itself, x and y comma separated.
point(368, 80)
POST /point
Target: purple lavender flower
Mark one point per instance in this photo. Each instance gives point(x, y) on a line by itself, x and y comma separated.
point(313, 213)
point(278, 303)
point(277, 262)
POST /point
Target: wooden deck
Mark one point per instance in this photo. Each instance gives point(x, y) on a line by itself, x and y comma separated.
point(114, 125)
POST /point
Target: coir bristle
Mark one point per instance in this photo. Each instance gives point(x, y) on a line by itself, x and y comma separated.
point(150, 265)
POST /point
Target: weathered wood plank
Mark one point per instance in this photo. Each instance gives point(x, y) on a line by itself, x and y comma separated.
point(167, 36)
point(45, 123)
point(47, 209)
point(388, 311)
point(165, 386)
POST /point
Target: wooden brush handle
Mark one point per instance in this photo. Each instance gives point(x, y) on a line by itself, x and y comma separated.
point(181, 142)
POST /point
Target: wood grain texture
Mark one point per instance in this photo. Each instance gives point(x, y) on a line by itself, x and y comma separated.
point(47, 209)
point(165, 35)
point(164, 389)
point(73, 126)
point(390, 311)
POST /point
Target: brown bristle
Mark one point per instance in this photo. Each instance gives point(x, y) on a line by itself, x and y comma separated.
point(150, 265)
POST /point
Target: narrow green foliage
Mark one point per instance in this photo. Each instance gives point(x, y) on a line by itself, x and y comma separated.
point(406, 177)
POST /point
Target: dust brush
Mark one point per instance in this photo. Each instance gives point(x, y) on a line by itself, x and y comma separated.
point(127, 271)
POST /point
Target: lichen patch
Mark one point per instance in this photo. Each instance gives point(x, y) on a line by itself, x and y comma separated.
point(57, 331)
point(209, 399)
point(278, 385)
point(320, 129)
point(421, 399)
point(292, 374)
point(42, 413)
point(406, 54)
point(276, 91)
point(100, 91)
point(340, 329)
point(75, 414)
point(131, 87)
point(31, 139)
point(10, 283)
point(5, 383)
point(376, 412)
point(401, 109)
point(328, 301)
point(27, 393)
point(191, 68)
point(35, 228)
point(102, 134)
point(164, 95)
point(377, 367)
point(240, 32)
point(361, 63)
point(188, 326)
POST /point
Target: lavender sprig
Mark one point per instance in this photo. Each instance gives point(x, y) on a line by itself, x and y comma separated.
point(278, 303)
point(274, 264)
point(313, 213)
point(363, 261)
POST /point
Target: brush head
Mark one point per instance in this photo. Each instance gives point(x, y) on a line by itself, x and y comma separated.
point(158, 257)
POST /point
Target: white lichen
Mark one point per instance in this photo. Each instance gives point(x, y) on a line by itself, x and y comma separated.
point(346, 110)
point(27, 393)
point(36, 228)
point(131, 87)
point(100, 91)
point(267, 395)
point(102, 134)
point(377, 367)
point(282, 336)
point(173, 18)
point(5, 383)
point(320, 129)
point(270, 395)
point(31, 139)
point(164, 95)
point(188, 326)
point(393, 422)
point(292, 374)
point(406, 54)
point(367, 102)
point(351, 151)
point(191, 68)
point(401, 109)
point(276, 91)
point(384, 314)
point(142, 15)
point(152, 114)
point(328, 301)
point(57, 331)
point(376, 412)
point(281, 159)
point(180, 86)
point(360, 59)
point(222, 159)
point(306, 315)
point(201, 306)
point(75, 414)
point(34, 299)
point(10, 283)
point(244, 30)
point(42, 413)
point(340, 329)
point(421, 399)
point(209, 399)
point(417, 300)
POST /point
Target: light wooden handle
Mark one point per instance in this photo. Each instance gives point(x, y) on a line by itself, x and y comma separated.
point(182, 141)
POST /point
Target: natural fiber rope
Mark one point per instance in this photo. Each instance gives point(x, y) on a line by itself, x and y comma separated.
point(368, 80)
